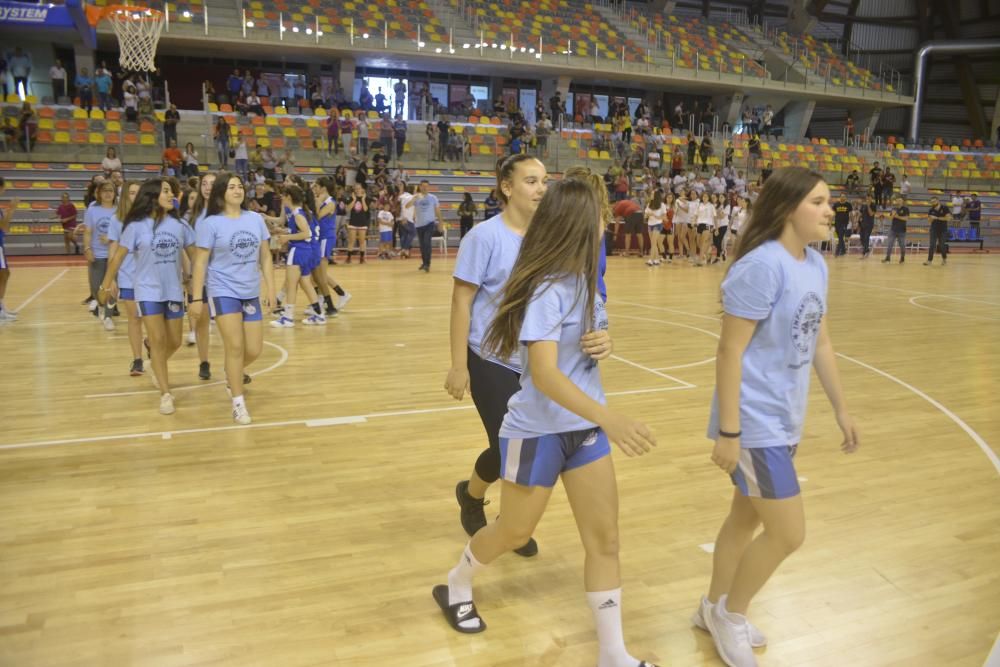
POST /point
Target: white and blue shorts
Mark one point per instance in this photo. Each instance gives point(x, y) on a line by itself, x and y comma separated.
point(539, 461)
point(126, 293)
point(171, 310)
point(327, 246)
point(228, 305)
point(3, 259)
point(767, 472)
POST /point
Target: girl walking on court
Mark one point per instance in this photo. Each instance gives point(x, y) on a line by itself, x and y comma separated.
point(158, 240)
point(557, 424)
point(655, 214)
point(773, 330)
point(125, 280)
point(6, 215)
point(198, 326)
point(96, 221)
point(300, 262)
point(230, 257)
point(323, 190)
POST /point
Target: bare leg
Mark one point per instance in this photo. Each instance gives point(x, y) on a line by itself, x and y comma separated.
point(734, 537)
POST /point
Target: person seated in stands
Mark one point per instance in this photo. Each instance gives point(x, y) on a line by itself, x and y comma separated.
point(9, 130)
point(316, 96)
point(172, 158)
point(853, 181)
point(146, 109)
point(209, 90)
point(27, 126)
point(254, 105)
point(240, 104)
point(642, 126)
point(595, 112)
point(498, 106)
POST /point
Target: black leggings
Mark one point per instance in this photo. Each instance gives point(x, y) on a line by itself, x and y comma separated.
point(491, 386)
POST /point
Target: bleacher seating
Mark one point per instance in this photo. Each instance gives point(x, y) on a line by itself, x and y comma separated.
point(397, 19)
point(557, 23)
point(705, 46)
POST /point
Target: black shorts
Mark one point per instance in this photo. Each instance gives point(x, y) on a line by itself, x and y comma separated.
point(702, 228)
point(634, 223)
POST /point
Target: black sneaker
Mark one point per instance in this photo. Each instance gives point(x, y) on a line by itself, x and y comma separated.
point(247, 379)
point(330, 311)
point(204, 371)
point(473, 515)
point(114, 311)
point(529, 549)
point(136, 369)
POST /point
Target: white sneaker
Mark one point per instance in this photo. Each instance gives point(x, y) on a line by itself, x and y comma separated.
point(343, 300)
point(314, 320)
point(191, 338)
point(757, 638)
point(731, 634)
point(283, 323)
point(650, 262)
point(167, 404)
point(109, 324)
point(656, 262)
point(7, 316)
point(92, 305)
point(240, 414)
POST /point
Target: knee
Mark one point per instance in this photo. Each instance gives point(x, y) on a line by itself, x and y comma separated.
point(251, 352)
point(602, 541)
point(788, 539)
point(236, 350)
point(513, 536)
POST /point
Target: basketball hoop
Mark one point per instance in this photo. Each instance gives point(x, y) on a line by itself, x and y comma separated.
point(138, 31)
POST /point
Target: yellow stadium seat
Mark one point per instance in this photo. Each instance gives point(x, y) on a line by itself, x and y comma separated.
point(80, 114)
point(147, 140)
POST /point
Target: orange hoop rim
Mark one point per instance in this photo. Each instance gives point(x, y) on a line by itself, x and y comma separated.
point(97, 14)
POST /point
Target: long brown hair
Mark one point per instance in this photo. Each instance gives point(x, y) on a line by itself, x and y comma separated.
point(782, 193)
point(200, 201)
point(596, 181)
point(562, 241)
point(124, 201)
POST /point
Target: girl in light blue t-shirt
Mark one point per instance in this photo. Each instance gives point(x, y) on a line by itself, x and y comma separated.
point(557, 425)
point(773, 332)
point(159, 241)
point(126, 277)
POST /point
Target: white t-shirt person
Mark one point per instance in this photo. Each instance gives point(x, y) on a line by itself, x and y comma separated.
point(656, 217)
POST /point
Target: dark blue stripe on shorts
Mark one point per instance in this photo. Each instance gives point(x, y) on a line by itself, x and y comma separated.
point(529, 447)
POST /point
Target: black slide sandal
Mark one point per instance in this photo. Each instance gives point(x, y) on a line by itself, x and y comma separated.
point(452, 612)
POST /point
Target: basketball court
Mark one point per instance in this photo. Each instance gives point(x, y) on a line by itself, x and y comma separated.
point(314, 536)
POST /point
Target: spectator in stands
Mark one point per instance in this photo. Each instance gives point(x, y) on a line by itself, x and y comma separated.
point(84, 89)
point(102, 84)
point(767, 120)
point(853, 182)
point(897, 231)
point(146, 109)
point(269, 164)
point(299, 89)
point(209, 90)
point(679, 115)
point(766, 172)
point(248, 82)
point(172, 158)
point(380, 103)
point(362, 125)
point(234, 84)
point(730, 151)
point(692, 150)
point(27, 127)
point(740, 184)
point(399, 131)
point(556, 106)
point(332, 135)
point(190, 166)
point(753, 148)
point(255, 106)
point(66, 216)
point(938, 217)
point(957, 207)
point(257, 162)
point(57, 75)
point(170, 119)
point(365, 97)
point(974, 210)
point(221, 136)
point(240, 104)
point(888, 185)
point(385, 131)
point(717, 183)
point(242, 158)
point(9, 132)
point(130, 102)
point(19, 64)
point(849, 127)
point(905, 188)
point(286, 165)
point(705, 151)
point(399, 90)
point(875, 181)
point(466, 215)
point(346, 130)
point(111, 164)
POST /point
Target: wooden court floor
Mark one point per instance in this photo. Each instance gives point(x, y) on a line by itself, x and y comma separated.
point(315, 536)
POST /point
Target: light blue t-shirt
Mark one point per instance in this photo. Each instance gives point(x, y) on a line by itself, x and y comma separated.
point(98, 219)
point(158, 263)
point(787, 297)
point(556, 312)
point(127, 269)
point(485, 258)
point(235, 253)
point(424, 210)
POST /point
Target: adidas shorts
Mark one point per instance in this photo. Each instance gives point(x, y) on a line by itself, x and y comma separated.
point(539, 461)
point(767, 472)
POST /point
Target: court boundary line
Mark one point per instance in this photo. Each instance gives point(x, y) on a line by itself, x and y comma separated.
point(685, 384)
point(41, 289)
point(667, 310)
point(311, 422)
point(913, 302)
point(188, 387)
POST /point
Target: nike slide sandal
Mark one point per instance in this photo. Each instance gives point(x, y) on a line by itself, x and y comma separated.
point(458, 613)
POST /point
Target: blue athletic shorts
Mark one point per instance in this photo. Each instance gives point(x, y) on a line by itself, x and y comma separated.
point(327, 246)
point(385, 237)
point(304, 258)
point(227, 305)
point(539, 461)
point(126, 294)
point(767, 472)
point(171, 310)
point(656, 228)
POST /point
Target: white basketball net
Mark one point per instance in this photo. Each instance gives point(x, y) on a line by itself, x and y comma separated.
point(138, 32)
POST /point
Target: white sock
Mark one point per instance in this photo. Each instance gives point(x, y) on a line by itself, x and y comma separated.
point(238, 400)
point(289, 311)
point(731, 616)
point(460, 582)
point(607, 609)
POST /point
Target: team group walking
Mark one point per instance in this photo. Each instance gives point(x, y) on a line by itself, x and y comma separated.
point(528, 331)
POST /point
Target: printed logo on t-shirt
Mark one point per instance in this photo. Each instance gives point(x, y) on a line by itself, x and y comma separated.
point(806, 322)
point(243, 244)
point(165, 245)
point(600, 316)
point(103, 224)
